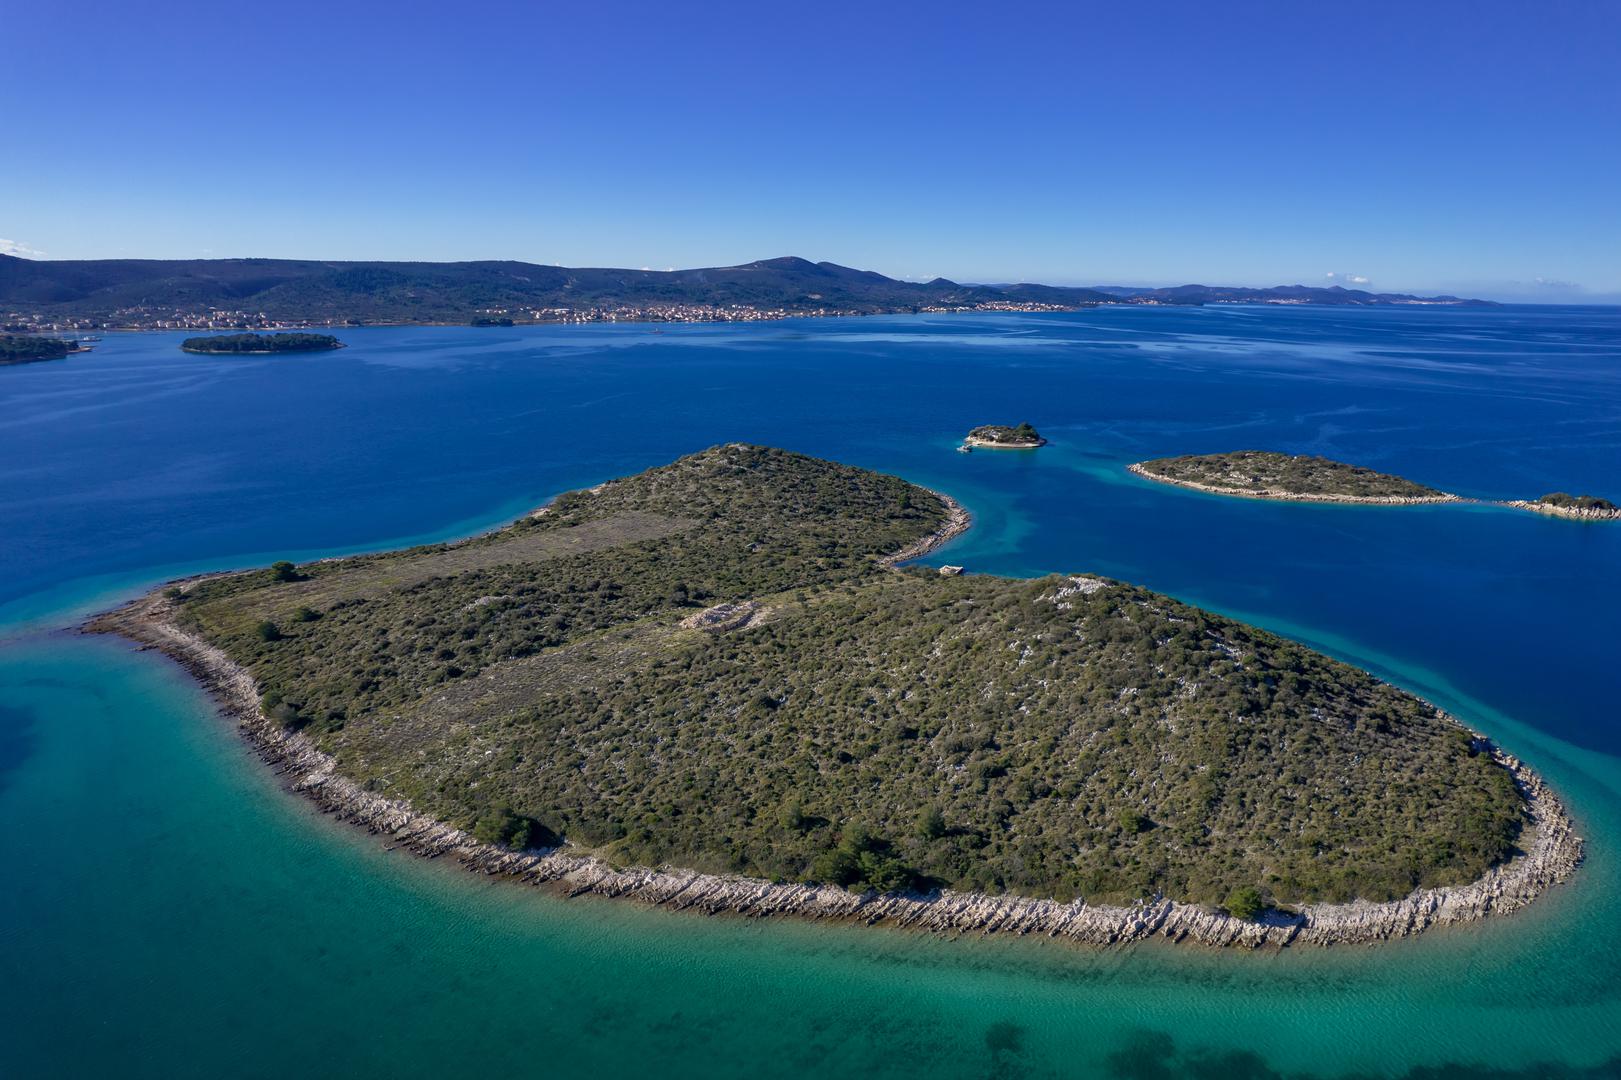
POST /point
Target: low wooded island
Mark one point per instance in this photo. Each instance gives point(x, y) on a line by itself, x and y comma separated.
point(1263, 474)
point(244, 344)
point(30, 348)
point(713, 666)
point(1260, 474)
point(1004, 437)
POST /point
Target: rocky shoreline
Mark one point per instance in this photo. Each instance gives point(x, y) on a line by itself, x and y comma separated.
point(1551, 850)
point(957, 521)
point(1278, 495)
point(992, 444)
point(1575, 513)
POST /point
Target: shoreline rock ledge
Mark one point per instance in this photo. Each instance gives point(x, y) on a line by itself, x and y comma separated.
point(957, 522)
point(1551, 850)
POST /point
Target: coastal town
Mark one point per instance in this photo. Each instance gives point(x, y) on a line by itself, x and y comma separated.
point(174, 318)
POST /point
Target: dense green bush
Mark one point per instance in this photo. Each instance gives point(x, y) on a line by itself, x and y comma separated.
point(1244, 903)
point(505, 827)
point(861, 861)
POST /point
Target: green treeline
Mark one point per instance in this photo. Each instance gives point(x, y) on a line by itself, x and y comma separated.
point(1577, 502)
point(25, 348)
point(261, 343)
point(1023, 434)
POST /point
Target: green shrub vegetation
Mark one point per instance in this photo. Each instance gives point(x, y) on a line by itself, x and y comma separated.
point(507, 828)
point(870, 728)
point(261, 343)
point(1244, 902)
point(1296, 474)
point(1577, 502)
point(1022, 435)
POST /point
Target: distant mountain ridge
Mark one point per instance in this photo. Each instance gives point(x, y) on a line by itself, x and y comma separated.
point(1300, 294)
point(138, 291)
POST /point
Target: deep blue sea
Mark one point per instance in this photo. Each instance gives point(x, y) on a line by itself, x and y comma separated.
point(167, 910)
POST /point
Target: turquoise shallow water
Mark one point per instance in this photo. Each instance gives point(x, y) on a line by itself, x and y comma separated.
point(168, 910)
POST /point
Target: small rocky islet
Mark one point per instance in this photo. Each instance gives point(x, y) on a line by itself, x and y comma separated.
point(1003, 437)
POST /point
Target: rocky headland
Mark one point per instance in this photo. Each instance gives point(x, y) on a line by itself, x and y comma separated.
point(957, 522)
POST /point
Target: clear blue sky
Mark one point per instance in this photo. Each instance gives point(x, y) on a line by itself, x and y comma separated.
point(1426, 145)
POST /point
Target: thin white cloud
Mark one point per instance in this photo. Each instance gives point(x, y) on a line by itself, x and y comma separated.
point(1555, 283)
point(1347, 279)
point(19, 249)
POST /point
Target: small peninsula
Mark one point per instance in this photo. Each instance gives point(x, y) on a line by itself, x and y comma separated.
point(256, 344)
point(709, 686)
point(1004, 437)
point(29, 348)
point(1260, 474)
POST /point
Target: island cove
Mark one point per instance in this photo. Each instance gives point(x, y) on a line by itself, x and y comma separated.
point(1259, 474)
point(842, 739)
